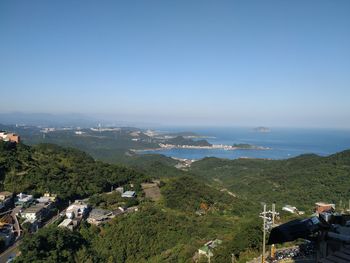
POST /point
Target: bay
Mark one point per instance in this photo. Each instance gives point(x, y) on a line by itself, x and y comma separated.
point(283, 142)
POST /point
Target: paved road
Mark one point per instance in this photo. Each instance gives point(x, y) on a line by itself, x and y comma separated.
point(16, 225)
point(11, 251)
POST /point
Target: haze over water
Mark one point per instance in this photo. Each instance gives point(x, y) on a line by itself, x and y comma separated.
point(284, 143)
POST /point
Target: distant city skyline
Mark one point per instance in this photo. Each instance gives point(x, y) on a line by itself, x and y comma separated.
point(213, 63)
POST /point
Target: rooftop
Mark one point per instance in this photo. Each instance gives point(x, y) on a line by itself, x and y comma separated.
point(65, 222)
point(129, 194)
point(34, 209)
point(6, 193)
point(97, 213)
point(324, 204)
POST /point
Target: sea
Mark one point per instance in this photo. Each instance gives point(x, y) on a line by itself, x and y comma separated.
point(283, 143)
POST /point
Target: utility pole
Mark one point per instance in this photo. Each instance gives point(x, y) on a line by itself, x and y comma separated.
point(268, 223)
point(264, 234)
point(272, 252)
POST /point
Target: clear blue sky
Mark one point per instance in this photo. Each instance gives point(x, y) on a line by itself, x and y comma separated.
point(274, 63)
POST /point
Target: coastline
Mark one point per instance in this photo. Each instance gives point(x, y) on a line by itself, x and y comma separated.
point(212, 147)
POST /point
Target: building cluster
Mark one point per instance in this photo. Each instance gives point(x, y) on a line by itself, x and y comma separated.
point(9, 137)
point(29, 209)
point(80, 210)
point(24, 212)
point(7, 233)
point(35, 210)
point(326, 235)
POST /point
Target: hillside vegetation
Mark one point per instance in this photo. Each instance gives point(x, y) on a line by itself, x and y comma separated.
point(188, 194)
point(151, 235)
point(67, 172)
point(300, 181)
point(226, 192)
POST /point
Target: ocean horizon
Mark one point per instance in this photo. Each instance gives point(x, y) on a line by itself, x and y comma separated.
point(283, 143)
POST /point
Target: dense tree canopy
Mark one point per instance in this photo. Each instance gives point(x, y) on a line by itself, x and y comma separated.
point(230, 191)
point(299, 181)
point(50, 244)
point(67, 172)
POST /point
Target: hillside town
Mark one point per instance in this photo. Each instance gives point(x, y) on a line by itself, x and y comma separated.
point(24, 213)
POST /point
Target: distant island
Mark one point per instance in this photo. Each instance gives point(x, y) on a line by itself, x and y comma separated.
point(262, 129)
point(246, 146)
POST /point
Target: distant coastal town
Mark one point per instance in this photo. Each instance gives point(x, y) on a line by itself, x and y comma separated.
point(215, 146)
point(165, 146)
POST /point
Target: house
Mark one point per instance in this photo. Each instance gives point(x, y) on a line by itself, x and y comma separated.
point(290, 209)
point(129, 194)
point(78, 209)
point(321, 207)
point(132, 209)
point(99, 216)
point(23, 199)
point(207, 249)
point(9, 137)
point(119, 211)
point(12, 137)
point(68, 223)
point(3, 136)
point(120, 189)
point(35, 212)
point(47, 198)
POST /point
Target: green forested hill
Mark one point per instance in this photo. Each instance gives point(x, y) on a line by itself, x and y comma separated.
point(167, 231)
point(188, 194)
point(153, 234)
point(154, 165)
point(299, 181)
point(67, 172)
point(180, 140)
point(230, 192)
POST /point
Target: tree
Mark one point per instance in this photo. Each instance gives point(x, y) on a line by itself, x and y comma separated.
point(50, 244)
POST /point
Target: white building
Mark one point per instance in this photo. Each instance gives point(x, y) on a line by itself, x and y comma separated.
point(22, 199)
point(77, 209)
point(290, 209)
point(47, 198)
point(33, 213)
point(129, 194)
point(3, 135)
